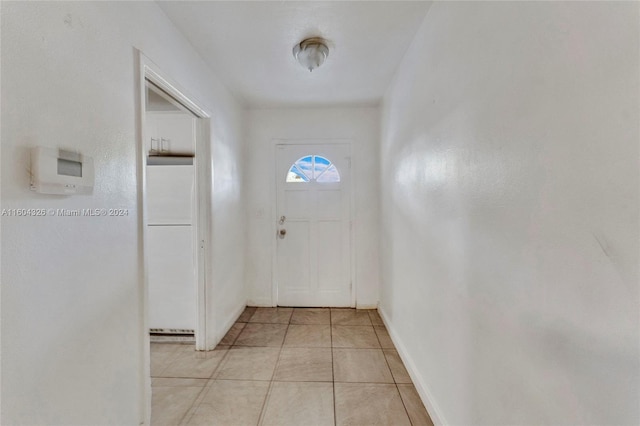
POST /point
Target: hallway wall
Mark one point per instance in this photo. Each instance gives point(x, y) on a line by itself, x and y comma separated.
point(510, 190)
point(71, 286)
point(360, 125)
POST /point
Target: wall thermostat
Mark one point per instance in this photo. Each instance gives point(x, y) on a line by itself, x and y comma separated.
point(57, 171)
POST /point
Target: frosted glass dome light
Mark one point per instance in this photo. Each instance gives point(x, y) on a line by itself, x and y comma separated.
point(311, 52)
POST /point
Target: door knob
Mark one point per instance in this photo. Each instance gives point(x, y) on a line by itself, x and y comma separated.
point(283, 232)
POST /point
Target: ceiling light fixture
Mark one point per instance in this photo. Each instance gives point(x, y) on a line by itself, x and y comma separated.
point(311, 52)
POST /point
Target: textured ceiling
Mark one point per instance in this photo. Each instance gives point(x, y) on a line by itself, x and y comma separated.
point(249, 44)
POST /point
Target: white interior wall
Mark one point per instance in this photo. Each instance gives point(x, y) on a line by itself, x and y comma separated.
point(71, 297)
point(360, 125)
point(510, 212)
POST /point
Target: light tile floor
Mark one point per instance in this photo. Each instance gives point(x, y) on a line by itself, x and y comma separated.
point(286, 366)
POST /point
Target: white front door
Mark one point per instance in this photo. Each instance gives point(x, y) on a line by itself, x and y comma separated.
point(313, 266)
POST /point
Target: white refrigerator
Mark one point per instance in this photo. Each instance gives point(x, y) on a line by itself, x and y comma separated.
point(170, 247)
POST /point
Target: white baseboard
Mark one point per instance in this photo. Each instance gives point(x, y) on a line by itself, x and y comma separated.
point(416, 377)
point(260, 303)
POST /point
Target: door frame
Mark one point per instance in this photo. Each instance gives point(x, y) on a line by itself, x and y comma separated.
point(148, 70)
point(274, 207)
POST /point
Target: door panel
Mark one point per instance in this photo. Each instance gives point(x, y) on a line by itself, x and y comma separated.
point(295, 257)
point(313, 266)
point(297, 204)
point(331, 259)
point(329, 204)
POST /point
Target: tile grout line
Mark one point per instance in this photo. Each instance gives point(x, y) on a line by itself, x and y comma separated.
point(391, 371)
point(186, 417)
point(263, 410)
point(189, 414)
point(333, 373)
point(385, 357)
point(404, 405)
point(191, 411)
point(239, 333)
point(172, 358)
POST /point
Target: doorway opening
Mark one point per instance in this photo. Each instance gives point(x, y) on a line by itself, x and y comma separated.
point(174, 215)
point(176, 206)
point(170, 199)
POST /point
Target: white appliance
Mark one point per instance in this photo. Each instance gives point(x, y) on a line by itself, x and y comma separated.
point(170, 245)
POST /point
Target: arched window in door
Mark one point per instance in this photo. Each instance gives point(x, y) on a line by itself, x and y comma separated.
point(313, 168)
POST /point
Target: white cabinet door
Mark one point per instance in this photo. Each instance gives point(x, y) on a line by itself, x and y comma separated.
point(177, 134)
point(170, 134)
point(170, 195)
point(172, 277)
